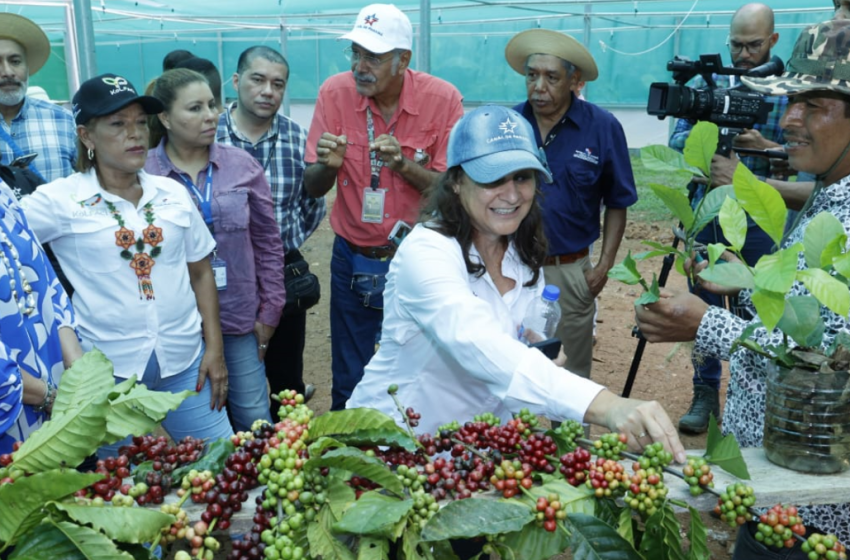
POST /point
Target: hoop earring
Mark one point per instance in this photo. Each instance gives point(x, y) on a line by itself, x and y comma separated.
point(90, 153)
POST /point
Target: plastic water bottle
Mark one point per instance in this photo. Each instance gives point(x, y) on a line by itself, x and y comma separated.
point(542, 317)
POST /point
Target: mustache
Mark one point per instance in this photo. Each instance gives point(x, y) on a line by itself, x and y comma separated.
point(360, 77)
point(11, 82)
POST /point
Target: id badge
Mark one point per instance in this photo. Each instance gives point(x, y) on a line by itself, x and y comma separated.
point(220, 272)
point(373, 205)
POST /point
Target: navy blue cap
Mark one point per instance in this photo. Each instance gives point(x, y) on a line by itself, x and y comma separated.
point(107, 94)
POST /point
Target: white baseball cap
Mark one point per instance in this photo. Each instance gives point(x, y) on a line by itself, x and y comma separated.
point(380, 28)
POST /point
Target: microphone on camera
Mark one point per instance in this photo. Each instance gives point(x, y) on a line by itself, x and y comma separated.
point(773, 67)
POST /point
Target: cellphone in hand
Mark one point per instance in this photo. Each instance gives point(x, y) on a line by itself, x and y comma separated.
point(550, 347)
point(399, 232)
point(24, 161)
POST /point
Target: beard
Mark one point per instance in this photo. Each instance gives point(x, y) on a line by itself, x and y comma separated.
point(12, 98)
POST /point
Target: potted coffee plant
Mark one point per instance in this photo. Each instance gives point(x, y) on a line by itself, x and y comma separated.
point(808, 409)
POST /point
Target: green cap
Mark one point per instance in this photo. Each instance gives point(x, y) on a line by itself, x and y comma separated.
point(820, 61)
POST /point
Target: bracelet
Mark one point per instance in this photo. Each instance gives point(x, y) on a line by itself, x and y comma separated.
point(49, 398)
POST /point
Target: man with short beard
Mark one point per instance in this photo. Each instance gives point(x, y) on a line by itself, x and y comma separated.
point(380, 134)
point(31, 126)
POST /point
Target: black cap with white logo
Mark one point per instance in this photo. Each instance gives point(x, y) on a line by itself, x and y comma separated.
point(107, 94)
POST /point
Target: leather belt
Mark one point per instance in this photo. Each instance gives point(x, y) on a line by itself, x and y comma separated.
point(555, 260)
point(383, 252)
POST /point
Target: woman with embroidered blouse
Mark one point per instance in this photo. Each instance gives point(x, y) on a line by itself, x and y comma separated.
point(37, 337)
point(230, 190)
point(136, 251)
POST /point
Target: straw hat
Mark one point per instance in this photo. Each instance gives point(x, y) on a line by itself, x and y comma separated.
point(29, 35)
point(545, 41)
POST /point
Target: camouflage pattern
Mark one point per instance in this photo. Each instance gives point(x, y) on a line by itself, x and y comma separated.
point(820, 61)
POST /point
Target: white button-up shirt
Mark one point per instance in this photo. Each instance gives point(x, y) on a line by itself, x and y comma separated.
point(113, 315)
point(449, 340)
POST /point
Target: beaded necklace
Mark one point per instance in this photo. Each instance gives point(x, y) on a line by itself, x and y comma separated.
point(140, 261)
point(26, 304)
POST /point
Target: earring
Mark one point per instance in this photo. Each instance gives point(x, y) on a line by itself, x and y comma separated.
point(90, 153)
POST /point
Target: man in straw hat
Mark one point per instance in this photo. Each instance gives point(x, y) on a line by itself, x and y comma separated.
point(587, 152)
point(817, 140)
point(379, 132)
point(29, 125)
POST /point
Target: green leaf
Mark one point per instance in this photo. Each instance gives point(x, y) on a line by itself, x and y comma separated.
point(665, 159)
point(777, 271)
point(213, 459)
point(350, 421)
point(761, 201)
point(662, 539)
point(697, 537)
point(137, 551)
point(90, 378)
point(373, 514)
point(828, 290)
point(373, 549)
point(626, 272)
point(842, 264)
point(356, 461)
point(394, 437)
point(592, 539)
point(23, 501)
point(579, 499)
point(320, 444)
point(323, 543)
point(821, 232)
point(64, 440)
point(710, 206)
point(48, 540)
point(770, 307)
point(626, 526)
point(733, 274)
point(534, 543)
point(701, 145)
point(462, 519)
point(715, 251)
point(652, 295)
point(733, 222)
point(139, 411)
point(129, 525)
point(802, 321)
point(340, 495)
point(410, 544)
point(676, 202)
point(724, 452)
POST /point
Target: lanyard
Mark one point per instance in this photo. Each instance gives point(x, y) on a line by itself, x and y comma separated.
point(203, 198)
point(375, 162)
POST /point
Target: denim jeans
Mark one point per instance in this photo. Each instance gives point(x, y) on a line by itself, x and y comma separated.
point(356, 314)
point(247, 396)
point(192, 418)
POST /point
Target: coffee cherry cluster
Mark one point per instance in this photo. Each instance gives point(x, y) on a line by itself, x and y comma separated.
point(574, 465)
point(528, 418)
point(165, 457)
point(536, 451)
point(204, 545)
point(698, 475)
point(510, 476)
point(114, 471)
point(778, 525)
point(610, 446)
point(824, 547)
point(569, 431)
point(734, 503)
point(549, 512)
point(231, 489)
point(647, 491)
point(488, 418)
point(196, 483)
point(412, 416)
point(457, 478)
point(607, 478)
point(176, 530)
point(8, 472)
point(654, 455)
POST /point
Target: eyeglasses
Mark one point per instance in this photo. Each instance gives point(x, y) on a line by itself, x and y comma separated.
point(753, 47)
point(369, 60)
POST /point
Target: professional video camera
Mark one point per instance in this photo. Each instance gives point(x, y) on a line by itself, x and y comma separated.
point(732, 110)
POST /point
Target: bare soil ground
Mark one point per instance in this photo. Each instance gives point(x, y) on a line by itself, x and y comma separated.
point(664, 373)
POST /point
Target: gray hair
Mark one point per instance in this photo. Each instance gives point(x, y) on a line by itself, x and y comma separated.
point(568, 66)
point(396, 60)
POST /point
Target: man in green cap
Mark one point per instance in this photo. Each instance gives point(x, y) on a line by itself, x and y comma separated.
point(817, 139)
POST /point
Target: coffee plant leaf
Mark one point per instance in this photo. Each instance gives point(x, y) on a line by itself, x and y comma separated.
point(733, 222)
point(732, 274)
point(574, 499)
point(777, 271)
point(475, 517)
point(23, 501)
point(323, 542)
point(358, 462)
point(64, 440)
point(709, 207)
point(321, 444)
point(137, 551)
point(351, 421)
point(828, 290)
point(762, 202)
point(340, 495)
point(68, 540)
point(675, 201)
point(443, 551)
point(802, 321)
point(393, 437)
point(89, 378)
point(213, 459)
point(697, 537)
point(841, 264)
point(133, 525)
point(139, 411)
point(665, 159)
point(534, 543)
point(725, 452)
point(661, 539)
point(825, 230)
point(373, 514)
point(593, 539)
point(626, 525)
point(701, 145)
point(626, 271)
point(770, 307)
point(413, 548)
point(371, 548)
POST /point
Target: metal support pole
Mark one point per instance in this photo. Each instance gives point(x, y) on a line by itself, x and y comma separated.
point(72, 61)
point(284, 32)
point(586, 39)
point(423, 56)
point(85, 39)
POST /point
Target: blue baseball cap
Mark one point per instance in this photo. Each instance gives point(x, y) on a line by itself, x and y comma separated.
point(491, 142)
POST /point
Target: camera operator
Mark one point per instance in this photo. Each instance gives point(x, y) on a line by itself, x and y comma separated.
point(751, 36)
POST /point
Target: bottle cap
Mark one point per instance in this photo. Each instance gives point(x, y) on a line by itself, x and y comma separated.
point(551, 293)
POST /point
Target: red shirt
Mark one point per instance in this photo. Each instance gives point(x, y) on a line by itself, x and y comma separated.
point(428, 108)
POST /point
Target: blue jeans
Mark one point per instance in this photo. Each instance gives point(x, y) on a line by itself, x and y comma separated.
point(247, 396)
point(757, 243)
point(192, 418)
point(356, 315)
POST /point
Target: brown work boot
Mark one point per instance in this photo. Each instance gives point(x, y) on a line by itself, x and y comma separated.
point(706, 402)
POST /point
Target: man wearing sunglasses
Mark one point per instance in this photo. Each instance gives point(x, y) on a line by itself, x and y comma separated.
point(751, 37)
point(379, 133)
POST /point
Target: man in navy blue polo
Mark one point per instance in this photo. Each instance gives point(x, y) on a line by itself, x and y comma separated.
point(587, 153)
